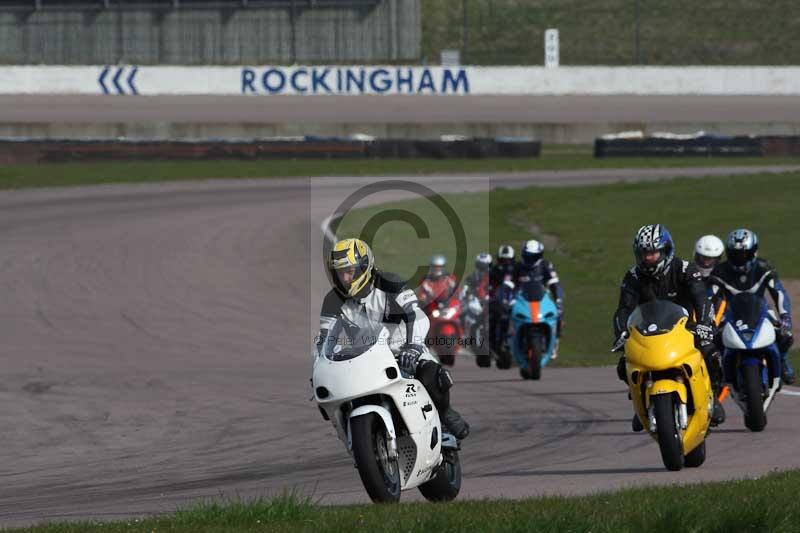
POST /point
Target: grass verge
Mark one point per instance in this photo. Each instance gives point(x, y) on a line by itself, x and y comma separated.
point(69, 174)
point(589, 231)
point(765, 504)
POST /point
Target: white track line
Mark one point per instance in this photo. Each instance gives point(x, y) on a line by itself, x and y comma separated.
point(326, 228)
point(790, 392)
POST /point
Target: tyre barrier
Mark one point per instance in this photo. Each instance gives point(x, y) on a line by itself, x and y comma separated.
point(15, 150)
point(679, 146)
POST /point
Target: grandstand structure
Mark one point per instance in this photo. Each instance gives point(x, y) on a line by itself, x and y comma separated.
point(208, 32)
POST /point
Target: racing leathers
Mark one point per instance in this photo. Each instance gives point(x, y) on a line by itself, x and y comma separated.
point(760, 278)
point(500, 298)
point(395, 306)
point(478, 283)
point(682, 283)
point(543, 272)
point(435, 290)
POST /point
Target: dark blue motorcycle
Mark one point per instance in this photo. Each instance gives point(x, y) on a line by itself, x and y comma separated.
point(751, 360)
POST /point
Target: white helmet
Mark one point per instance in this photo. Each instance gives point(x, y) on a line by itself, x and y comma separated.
point(505, 252)
point(707, 253)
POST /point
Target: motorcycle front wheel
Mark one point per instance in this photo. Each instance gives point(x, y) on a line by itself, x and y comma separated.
point(379, 473)
point(535, 343)
point(755, 419)
point(669, 438)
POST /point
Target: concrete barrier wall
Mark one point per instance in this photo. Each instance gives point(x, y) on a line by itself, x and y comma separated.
point(319, 80)
point(387, 31)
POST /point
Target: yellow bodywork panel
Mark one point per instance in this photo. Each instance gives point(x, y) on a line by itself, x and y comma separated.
point(661, 352)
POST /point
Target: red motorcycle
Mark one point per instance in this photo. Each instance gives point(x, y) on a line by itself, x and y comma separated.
point(446, 333)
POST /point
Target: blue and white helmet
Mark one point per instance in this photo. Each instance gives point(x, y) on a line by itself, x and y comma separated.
point(532, 252)
point(741, 247)
point(653, 238)
point(483, 261)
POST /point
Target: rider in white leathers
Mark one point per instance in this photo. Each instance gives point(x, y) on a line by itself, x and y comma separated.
point(366, 297)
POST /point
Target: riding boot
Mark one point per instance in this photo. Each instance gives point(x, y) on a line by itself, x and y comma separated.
point(636, 424)
point(454, 423)
point(787, 373)
point(718, 413)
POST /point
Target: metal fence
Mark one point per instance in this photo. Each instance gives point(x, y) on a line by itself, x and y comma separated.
point(615, 32)
point(208, 32)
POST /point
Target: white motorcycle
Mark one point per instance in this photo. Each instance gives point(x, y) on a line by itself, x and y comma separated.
point(387, 420)
point(476, 328)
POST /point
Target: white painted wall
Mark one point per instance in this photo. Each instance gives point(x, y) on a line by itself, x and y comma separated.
point(153, 80)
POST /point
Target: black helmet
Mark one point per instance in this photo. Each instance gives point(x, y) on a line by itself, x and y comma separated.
point(649, 239)
point(741, 247)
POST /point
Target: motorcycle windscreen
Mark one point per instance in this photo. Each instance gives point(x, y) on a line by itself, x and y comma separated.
point(656, 317)
point(347, 340)
point(532, 291)
point(746, 310)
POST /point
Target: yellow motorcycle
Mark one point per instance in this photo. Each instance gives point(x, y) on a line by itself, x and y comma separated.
point(669, 382)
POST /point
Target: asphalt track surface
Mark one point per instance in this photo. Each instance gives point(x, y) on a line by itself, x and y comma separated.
point(401, 109)
point(155, 353)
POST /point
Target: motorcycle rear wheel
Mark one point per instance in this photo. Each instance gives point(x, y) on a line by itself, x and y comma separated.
point(696, 457)
point(483, 360)
point(754, 418)
point(379, 474)
point(669, 438)
point(503, 359)
point(445, 486)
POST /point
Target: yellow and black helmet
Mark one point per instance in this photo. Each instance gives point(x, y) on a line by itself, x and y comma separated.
point(351, 254)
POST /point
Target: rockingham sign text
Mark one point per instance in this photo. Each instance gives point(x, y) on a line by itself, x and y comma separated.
point(354, 80)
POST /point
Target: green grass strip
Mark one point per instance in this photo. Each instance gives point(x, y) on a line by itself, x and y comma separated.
point(559, 157)
point(765, 504)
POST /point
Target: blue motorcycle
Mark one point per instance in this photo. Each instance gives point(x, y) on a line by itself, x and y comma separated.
point(751, 360)
point(534, 321)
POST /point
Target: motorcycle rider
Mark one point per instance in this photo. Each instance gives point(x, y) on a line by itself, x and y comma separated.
point(478, 283)
point(745, 271)
point(501, 286)
point(534, 267)
point(707, 254)
point(362, 293)
point(504, 268)
point(439, 285)
point(659, 274)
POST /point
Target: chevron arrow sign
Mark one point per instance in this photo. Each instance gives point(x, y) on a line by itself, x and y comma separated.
point(113, 80)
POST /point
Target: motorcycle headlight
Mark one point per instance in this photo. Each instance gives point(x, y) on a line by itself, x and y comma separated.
point(435, 313)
